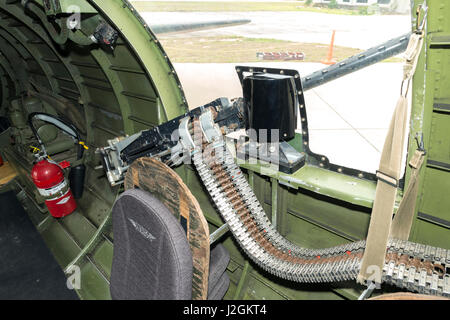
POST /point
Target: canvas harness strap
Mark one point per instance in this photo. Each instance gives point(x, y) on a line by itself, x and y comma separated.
point(381, 224)
point(401, 225)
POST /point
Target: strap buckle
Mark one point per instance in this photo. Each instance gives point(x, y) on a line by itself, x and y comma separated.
point(421, 24)
point(420, 144)
point(394, 182)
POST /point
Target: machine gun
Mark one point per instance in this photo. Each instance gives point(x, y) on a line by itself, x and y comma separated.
point(272, 100)
point(163, 141)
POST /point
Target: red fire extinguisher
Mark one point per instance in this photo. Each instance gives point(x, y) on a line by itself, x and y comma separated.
point(53, 186)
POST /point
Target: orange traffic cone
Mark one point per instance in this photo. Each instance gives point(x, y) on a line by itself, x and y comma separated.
point(329, 60)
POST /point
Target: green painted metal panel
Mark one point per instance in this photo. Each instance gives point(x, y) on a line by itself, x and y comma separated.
point(431, 234)
point(63, 247)
point(310, 235)
point(321, 181)
point(150, 54)
point(436, 200)
point(79, 227)
point(439, 149)
point(103, 256)
point(67, 6)
point(93, 284)
point(350, 222)
point(84, 7)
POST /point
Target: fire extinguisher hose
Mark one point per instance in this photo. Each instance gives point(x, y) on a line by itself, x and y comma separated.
point(77, 173)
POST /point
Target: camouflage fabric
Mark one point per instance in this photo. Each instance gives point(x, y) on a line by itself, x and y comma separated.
point(162, 182)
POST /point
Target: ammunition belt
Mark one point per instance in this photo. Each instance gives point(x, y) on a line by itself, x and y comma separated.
point(411, 266)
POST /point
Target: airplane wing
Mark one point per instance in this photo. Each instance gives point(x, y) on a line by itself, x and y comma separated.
point(196, 26)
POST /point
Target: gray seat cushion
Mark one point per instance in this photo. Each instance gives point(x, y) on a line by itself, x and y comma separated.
point(218, 261)
point(152, 257)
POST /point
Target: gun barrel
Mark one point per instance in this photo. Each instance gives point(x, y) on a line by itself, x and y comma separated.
point(357, 62)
